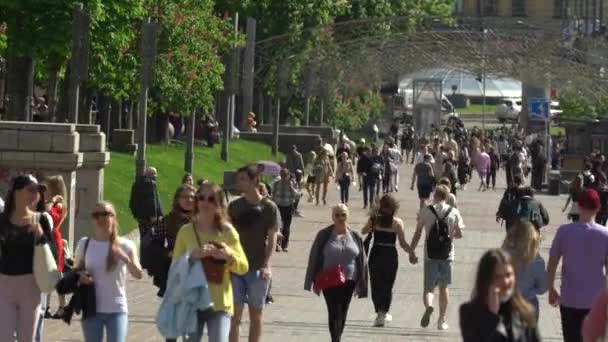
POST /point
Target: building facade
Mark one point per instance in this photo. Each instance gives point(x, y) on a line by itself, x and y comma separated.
point(591, 11)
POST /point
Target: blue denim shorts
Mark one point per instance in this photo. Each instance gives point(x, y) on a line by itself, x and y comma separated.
point(437, 273)
point(250, 288)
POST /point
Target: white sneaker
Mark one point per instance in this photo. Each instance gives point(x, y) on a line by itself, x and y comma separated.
point(442, 325)
point(380, 320)
point(388, 317)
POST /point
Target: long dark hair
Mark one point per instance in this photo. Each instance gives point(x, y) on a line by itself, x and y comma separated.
point(485, 275)
point(383, 215)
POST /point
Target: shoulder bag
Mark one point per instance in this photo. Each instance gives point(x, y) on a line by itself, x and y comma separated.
point(329, 278)
point(45, 267)
point(213, 268)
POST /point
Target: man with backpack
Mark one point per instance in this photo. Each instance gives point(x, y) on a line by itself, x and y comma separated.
point(442, 224)
point(526, 208)
point(510, 195)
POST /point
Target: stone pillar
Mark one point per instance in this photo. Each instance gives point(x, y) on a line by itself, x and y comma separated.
point(41, 148)
point(89, 177)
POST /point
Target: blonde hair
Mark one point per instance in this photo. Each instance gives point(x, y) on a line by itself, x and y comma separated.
point(111, 259)
point(56, 187)
point(220, 218)
point(340, 208)
point(523, 240)
point(442, 192)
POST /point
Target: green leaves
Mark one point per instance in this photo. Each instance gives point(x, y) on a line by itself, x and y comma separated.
point(189, 67)
point(580, 107)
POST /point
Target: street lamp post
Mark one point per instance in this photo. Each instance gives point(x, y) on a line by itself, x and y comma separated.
point(483, 79)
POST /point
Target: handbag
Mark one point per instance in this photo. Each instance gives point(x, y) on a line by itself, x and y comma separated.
point(329, 278)
point(213, 268)
point(45, 267)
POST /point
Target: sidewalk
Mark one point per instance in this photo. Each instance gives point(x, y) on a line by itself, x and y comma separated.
point(298, 315)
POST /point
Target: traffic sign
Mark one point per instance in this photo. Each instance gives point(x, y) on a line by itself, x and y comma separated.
point(538, 109)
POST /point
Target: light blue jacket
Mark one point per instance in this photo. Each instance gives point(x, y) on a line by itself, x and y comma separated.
point(187, 292)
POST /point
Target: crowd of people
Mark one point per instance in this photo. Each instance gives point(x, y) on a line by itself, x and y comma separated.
point(233, 243)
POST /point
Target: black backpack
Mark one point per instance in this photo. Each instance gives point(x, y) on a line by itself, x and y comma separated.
point(525, 210)
point(439, 242)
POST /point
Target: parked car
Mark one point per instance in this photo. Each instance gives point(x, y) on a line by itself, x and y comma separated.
point(508, 110)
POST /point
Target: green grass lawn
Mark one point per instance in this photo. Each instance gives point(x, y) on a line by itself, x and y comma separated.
point(476, 109)
point(556, 130)
point(169, 161)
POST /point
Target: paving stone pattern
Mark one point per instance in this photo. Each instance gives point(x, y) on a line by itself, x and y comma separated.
point(298, 315)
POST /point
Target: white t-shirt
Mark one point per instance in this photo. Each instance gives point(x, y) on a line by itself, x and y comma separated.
point(110, 290)
point(428, 219)
point(1, 205)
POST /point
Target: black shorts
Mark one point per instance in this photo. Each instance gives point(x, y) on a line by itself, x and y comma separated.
point(424, 191)
point(311, 179)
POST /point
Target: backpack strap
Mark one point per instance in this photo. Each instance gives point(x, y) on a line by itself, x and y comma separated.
point(198, 239)
point(432, 209)
point(448, 212)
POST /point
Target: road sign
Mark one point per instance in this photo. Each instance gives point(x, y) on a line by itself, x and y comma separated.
point(538, 109)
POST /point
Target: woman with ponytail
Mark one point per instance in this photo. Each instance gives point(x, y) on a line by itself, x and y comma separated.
point(107, 257)
point(523, 243)
point(212, 238)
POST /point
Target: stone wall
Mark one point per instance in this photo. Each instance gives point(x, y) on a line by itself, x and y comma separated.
point(304, 142)
point(72, 151)
point(329, 135)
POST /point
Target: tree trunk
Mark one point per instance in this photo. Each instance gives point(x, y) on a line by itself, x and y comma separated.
point(52, 87)
point(114, 117)
point(61, 112)
point(133, 115)
point(20, 88)
point(189, 157)
point(2, 86)
point(103, 114)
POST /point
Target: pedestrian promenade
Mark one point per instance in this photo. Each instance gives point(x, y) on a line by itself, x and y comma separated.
point(298, 315)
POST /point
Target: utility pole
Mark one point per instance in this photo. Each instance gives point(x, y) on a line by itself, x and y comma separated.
point(281, 92)
point(149, 33)
point(483, 80)
point(248, 73)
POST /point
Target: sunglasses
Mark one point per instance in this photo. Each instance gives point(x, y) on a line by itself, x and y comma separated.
point(208, 199)
point(341, 215)
point(99, 214)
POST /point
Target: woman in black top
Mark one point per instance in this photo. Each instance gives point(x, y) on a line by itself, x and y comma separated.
point(163, 239)
point(20, 230)
point(497, 312)
point(386, 229)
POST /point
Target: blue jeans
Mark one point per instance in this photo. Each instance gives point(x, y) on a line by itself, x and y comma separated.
point(218, 326)
point(115, 324)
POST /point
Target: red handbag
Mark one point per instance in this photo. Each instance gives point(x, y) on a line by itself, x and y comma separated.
point(329, 278)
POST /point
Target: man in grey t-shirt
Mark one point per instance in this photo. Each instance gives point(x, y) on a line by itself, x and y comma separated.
point(255, 219)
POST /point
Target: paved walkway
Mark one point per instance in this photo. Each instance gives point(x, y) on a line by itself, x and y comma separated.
point(298, 315)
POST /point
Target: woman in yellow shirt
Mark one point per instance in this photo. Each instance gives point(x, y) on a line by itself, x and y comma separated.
point(212, 238)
